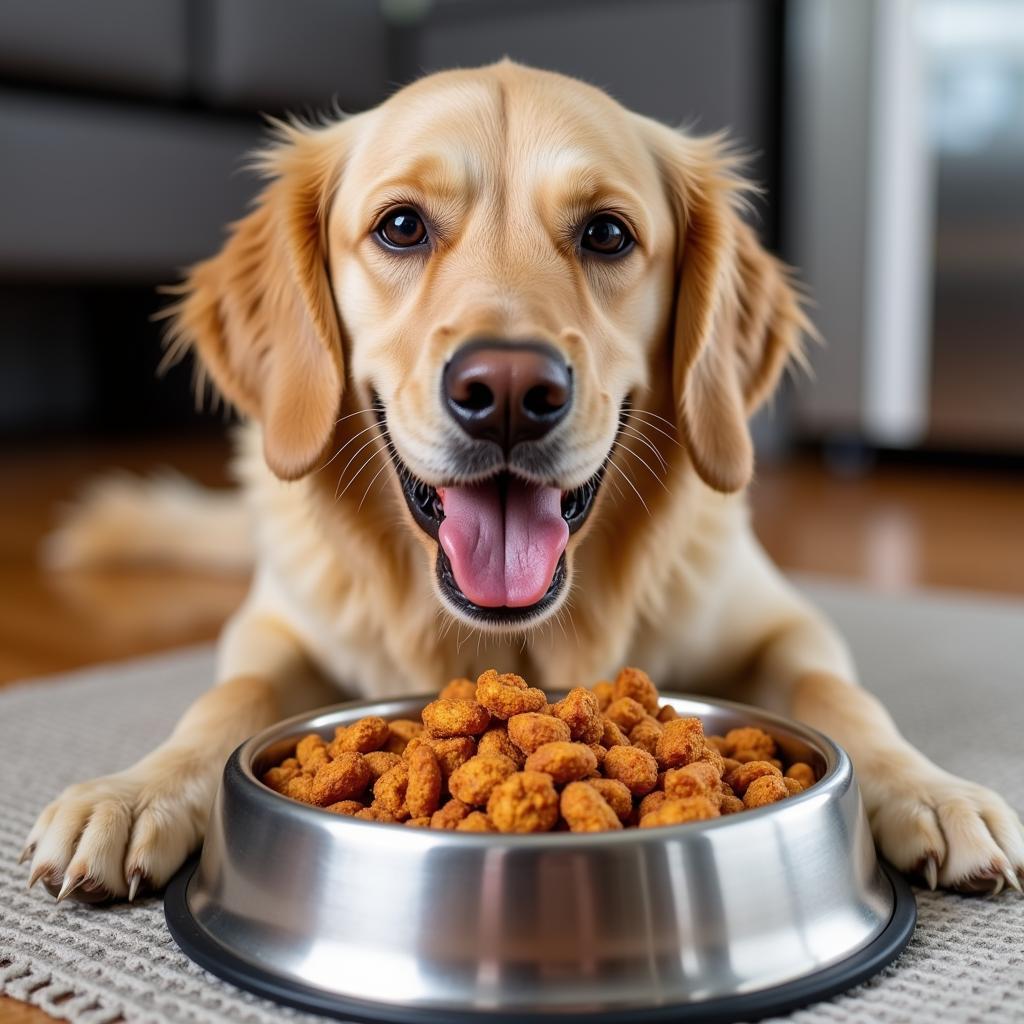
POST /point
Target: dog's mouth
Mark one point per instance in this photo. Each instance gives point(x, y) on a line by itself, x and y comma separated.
point(501, 540)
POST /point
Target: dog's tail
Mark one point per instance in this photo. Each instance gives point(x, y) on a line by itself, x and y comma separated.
point(164, 520)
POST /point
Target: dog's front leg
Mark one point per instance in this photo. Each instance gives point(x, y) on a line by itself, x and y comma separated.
point(105, 838)
point(953, 832)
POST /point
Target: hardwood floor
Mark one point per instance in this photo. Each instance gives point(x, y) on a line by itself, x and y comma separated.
point(894, 529)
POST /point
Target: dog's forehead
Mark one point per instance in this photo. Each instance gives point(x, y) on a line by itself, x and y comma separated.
point(460, 131)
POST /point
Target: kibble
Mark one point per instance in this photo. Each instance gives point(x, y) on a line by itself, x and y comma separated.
point(493, 755)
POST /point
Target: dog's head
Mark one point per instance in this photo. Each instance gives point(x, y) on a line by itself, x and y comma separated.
point(513, 273)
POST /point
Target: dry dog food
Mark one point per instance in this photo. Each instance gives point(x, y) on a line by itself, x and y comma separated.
point(495, 756)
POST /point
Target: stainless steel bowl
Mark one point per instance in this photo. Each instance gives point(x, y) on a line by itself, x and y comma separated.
point(725, 919)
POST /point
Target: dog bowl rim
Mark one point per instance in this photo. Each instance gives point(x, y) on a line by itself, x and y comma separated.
point(836, 779)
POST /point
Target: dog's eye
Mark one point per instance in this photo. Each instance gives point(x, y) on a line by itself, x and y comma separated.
point(606, 235)
point(402, 229)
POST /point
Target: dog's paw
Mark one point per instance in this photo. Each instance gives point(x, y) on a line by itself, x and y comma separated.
point(948, 831)
point(113, 836)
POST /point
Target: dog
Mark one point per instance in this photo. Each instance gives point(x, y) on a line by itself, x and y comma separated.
point(495, 344)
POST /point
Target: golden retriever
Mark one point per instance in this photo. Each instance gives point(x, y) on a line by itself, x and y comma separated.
point(496, 343)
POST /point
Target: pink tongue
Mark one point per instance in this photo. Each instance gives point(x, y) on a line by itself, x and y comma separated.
point(503, 556)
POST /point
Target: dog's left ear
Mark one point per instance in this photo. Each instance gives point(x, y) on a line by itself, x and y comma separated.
point(737, 316)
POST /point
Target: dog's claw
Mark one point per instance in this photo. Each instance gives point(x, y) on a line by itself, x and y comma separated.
point(26, 854)
point(133, 884)
point(69, 885)
point(931, 873)
point(1011, 879)
point(38, 873)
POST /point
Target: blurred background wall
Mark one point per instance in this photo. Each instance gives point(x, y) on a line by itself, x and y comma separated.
point(889, 135)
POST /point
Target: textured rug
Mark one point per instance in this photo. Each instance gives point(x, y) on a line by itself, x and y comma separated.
point(950, 667)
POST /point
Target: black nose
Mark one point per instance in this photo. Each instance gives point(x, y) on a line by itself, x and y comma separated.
point(507, 392)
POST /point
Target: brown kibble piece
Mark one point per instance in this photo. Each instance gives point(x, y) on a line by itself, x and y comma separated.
point(651, 802)
point(678, 812)
point(475, 821)
point(586, 810)
point(449, 816)
point(380, 761)
point(616, 794)
point(745, 755)
point(348, 808)
point(276, 778)
point(375, 813)
point(307, 747)
point(625, 713)
point(580, 711)
point(451, 752)
point(613, 736)
point(524, 802)
point(792, 785)
point(496, 741)
point(316, 759)
point(454, 716)
point(389, 792)
point(532, 729)
point(465, 689)
point(645, 734)
point(507, 694)
point(709, 755)
point(667, 713)
point(635, 683)
point(300, 788)
point(743, 775)
point(681, 742)
point(766, 789)
point(718, 743)
point(474, 781)
point(749, 739)
point(603, 692)
point(344, 778)
point(728, 803)
point(696, 779)
point(633, 767)
point(803, 773)
point(422, 822)
point(423, 792)
point(400, 731)
point(564, 762)
point(361, 737)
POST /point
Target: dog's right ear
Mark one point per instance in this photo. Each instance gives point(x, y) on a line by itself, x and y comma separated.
point(260, 314)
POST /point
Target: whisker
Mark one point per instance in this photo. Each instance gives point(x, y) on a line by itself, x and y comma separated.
point(646, 465)
point(632, 485)
point(561, 624)
point(371, 483)
point(449, 622)
point(355, 477)
point(569, 615)
point(636, 410)
point(631, 431)
point(349, 416)
point(618, 489)
point(345, 445)
point(355, 455)
point(672, 437)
